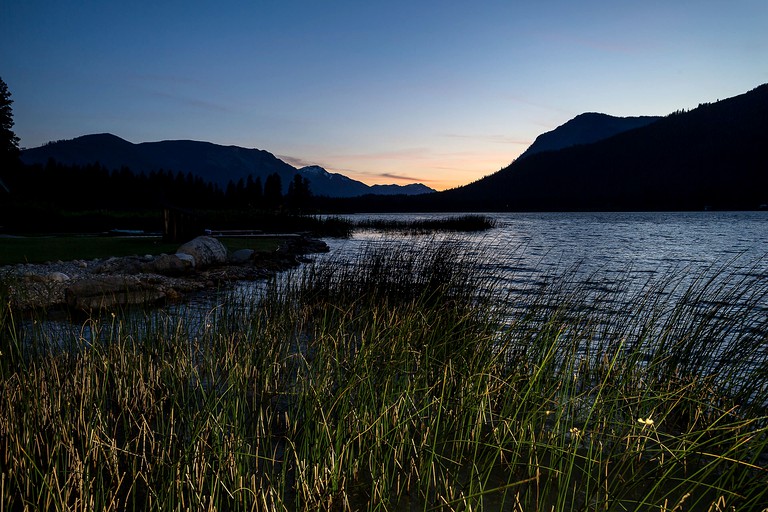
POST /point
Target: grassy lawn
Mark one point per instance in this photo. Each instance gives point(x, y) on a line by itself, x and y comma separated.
point(39, 249)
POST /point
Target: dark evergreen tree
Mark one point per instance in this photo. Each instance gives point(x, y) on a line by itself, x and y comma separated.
point(9, 142)
point(299, 195)
point(240, 199)
point(229, 193)
point(273, 191)
point(253, 191)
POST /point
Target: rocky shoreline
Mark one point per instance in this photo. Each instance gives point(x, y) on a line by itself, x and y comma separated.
point(201, 264)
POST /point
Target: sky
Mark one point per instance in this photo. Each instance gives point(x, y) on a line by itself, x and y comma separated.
point(437, 92)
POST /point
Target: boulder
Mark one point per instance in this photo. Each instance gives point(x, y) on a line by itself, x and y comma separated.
point(170, 265)
point(123, 265)
point(111, 291)
point(57, 277)
point(187, 258)
point(206, 250)
point(241, 256)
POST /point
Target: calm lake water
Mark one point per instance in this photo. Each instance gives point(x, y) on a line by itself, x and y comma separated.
point(602, 247)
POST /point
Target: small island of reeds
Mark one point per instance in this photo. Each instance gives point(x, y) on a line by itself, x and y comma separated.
point(400, 381)
point(463, 223)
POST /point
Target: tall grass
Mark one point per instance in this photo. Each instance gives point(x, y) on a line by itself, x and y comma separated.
point(396, 382)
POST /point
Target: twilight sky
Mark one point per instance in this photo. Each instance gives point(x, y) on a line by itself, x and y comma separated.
point(439, 92)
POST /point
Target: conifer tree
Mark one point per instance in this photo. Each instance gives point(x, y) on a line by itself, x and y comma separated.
point(273, 190)
point(9, 142)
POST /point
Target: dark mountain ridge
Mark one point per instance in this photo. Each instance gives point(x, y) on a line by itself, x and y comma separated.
point(585, 129)
point(329, 184)
point(714, 156)
point(212, 162)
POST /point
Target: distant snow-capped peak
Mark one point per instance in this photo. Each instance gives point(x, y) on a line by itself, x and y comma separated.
point(314, 170)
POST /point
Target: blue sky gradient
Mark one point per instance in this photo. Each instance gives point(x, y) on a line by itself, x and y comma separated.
point(440, 92)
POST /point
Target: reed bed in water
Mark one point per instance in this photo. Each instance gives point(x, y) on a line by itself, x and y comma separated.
point(397, 383)
point(464, 223)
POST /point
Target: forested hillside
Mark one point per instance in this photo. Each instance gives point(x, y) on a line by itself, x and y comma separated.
point(714, 156)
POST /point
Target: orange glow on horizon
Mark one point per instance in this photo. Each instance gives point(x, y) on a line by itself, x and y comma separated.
point(440, 174)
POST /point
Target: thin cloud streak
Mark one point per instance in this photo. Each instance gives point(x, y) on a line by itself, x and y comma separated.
point(164, 79)
point(404, 178)
point(301, 162)
point(522, 100)
point(367, 175)
point(186, 100)
point(297, 161)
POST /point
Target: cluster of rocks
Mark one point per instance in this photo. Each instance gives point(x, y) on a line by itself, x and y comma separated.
point(119, 281)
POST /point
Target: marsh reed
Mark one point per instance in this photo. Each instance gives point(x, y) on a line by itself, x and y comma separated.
point(399, 381)
point(463, 223)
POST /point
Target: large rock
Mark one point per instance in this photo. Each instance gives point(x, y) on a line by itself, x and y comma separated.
point(241, 256)
point(111, 291)
point(170, 265)
point(123, 265)
point(57, 277)
point(186, 258)
point(206, 250)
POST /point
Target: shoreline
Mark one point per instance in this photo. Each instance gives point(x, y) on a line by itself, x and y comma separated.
point(88, 285)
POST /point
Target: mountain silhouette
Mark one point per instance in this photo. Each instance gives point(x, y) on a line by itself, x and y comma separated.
point(714, 156)
point(212, 162)
point(329, 184)
point(585, 129)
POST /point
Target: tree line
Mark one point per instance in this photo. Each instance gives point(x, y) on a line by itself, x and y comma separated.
point(94, 187)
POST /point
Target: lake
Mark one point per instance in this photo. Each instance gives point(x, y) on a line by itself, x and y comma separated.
point(619, 262)
point(599, 249)
point(615, 255)
point(605, 241)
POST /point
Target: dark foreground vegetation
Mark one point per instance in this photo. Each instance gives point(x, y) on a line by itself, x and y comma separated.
point(397, 381)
